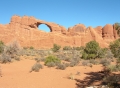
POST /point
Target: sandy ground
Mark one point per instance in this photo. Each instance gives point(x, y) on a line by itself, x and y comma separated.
point(17, 75)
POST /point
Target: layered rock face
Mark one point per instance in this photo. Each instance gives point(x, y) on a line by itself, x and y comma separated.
point(25, 31)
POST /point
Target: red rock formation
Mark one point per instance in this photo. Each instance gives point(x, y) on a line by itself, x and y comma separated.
point(107, 32)
point(25, 30)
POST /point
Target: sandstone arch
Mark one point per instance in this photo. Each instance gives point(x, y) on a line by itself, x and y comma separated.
point(38, 24)
point(27, 22)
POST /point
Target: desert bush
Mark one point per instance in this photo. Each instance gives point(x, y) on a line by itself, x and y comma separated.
point(56, 48)
point(51, 64)
point(5, 58)
point(42, 59)
point(30, 52)
point(37, 59)
point(12, 49)
point(84, 55)
point(112, 81)
point(67, 48)
point(118, 60)
point(91, 50)
point(31, 47)
point(115, 48)
point(68, 59)
point(72, 64)
point(52, 59)
point(113, 68)
point(61, 66)
point(67, 64)
point(93, 61)
point(17, 58)
point(84, 63)
point(78, 48)
point(109, 54)
point(61, 56)
point(102, 52)
point(1, 46)
point(36, 67)
point(104, 62)
point(10, 52)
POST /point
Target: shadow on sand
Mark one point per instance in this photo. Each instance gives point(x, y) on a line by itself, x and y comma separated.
point(96, 79)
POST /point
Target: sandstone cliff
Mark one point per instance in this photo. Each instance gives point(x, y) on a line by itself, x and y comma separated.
point(25, 30)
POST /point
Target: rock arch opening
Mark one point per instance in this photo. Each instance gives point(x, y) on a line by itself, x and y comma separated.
point(44, 27)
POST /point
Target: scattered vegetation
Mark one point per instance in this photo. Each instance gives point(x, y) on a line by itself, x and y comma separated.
point(115, 48)
point(31, 47)
point(1, 46)
point(36, 67)
point(62, 66)
point(10, 52)
point(5, 58)
point(67, 48)
point(89, 55)
point(56, 48)
point(104, 62)
point(52, 61)
point(112, 81)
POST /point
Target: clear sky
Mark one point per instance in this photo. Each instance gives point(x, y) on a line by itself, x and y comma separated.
point(64, 12)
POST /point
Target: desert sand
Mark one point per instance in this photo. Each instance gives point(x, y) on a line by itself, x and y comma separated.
point(17, 75)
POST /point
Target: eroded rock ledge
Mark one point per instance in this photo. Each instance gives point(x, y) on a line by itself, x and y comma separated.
point(25, 30)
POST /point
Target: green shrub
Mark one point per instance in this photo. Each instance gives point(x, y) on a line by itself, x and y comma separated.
point(115, 48)
point(84, 55)
point(102, 52)
point(56, 48)
point(67, 48)
point(78, 48)
point(91, 50)
point(36, 67)
point(31, 47)
point(52, 59)
point(1, 46)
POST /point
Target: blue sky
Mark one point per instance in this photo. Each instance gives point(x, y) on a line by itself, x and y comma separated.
point(64, 12)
